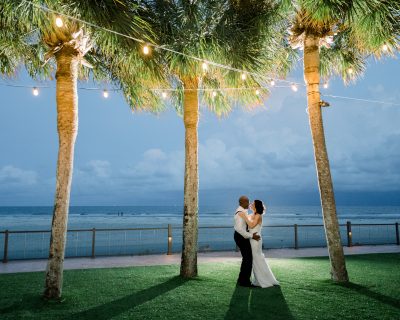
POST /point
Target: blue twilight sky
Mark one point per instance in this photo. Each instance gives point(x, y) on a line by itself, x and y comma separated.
point(136, 159)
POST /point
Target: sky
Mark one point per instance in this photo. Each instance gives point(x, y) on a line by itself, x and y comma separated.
point(125, 158)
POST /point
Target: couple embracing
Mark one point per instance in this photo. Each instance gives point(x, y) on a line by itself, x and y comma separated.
point(248, 238)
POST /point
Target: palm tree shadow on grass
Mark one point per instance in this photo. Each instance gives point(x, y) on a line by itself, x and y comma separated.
point(27, 303)
point(257, 303)
point(390, 301)
point(129, 302)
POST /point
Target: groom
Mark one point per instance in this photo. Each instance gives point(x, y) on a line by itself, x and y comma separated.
point(242, 238)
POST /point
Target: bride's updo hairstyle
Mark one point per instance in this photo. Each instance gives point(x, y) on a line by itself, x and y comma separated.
point(259, 206)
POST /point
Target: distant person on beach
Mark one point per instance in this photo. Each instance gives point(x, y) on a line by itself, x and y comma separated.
point(247, 237)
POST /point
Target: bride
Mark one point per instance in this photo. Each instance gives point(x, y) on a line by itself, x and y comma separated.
point(262, 274)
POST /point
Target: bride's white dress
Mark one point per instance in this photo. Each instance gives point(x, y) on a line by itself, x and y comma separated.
point(262, 275)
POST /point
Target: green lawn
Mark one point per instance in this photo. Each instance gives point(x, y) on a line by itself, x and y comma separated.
point(158, 293)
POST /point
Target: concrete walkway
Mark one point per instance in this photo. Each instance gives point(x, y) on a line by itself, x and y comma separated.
point(163, 259)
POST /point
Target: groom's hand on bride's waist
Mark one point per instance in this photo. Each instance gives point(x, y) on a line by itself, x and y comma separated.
point(256, 236)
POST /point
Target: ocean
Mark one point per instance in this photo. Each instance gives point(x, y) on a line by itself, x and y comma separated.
point(39, 218)
point(150, 234)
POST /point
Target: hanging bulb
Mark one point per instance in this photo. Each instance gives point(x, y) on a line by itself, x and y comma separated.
point(164, 95)
point(35, 91)
point(204, 66)
point(272, 83)
point(243, 76)
point(214, 94)
point(294, 87)
point(59, 22)
point(350, 70)
point(385, 47)
point(105, 93)
point(257, 92)
point(325, 85)
point(146, 50)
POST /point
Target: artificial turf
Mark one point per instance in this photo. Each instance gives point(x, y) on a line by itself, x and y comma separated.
point(157, 292)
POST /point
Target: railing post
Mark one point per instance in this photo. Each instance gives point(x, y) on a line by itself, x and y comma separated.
point(5, 256)
point(296, 239)
point(93, 242)
point(397, 233)
point(169, 252)
point(349, 235)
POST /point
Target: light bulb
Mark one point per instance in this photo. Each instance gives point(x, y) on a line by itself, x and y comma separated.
point(350, 70)
point(326, 85)
point(214, 93)
point(272, 83)
point(146, 50)
point(385, 47)
point(257, 92)
point(243, 76)
point(204, 66)
point(294, 87)
point(35, 91)
point(59, 22)
point(164, 95)
point(105, 94)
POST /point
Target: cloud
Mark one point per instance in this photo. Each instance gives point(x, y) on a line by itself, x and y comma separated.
point(155, 170)
point(266, 151)
point(93, 170)
point(371, 169)
point(100, 168)
point(16, 177)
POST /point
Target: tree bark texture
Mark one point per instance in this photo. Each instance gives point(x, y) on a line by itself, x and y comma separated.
point(191, 183)
point(67, 127)
point(332, 231)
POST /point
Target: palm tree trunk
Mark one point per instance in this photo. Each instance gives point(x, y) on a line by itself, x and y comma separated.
point(332, 232)
point(67, 125)
point(191, 185)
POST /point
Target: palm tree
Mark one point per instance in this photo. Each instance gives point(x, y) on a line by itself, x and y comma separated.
point(69, 41)
point(227, 32)
point(357, 29)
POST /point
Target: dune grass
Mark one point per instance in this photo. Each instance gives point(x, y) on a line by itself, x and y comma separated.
point(158, 293)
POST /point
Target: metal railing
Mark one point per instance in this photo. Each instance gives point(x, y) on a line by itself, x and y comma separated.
point(23, 244)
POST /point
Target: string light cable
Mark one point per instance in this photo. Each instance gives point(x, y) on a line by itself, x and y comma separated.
point(205, 62)
point(361, 99)
point(291, 84)
point(164, 90)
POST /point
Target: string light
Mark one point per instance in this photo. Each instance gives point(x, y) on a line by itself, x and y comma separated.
point(326, 85)
point(164, 95)
point(59, 22)
point(35, 92)
point(294, 87)
point(105, 93)
point(243, 76)
point(257, 92)
point(385, 47)
point(272, 83)
point(146, 50)
point(204, 65)
point(350, 70)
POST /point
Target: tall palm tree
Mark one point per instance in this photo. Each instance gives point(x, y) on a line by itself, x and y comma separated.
point(350, 31)
point(68, 41)
point(227, 32)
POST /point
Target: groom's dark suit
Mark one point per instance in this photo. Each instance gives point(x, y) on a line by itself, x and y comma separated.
point(242, 239)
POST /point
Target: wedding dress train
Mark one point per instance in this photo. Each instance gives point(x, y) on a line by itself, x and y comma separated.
point(262, 275)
